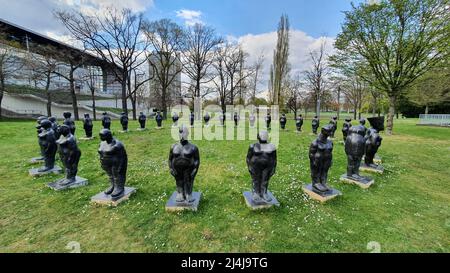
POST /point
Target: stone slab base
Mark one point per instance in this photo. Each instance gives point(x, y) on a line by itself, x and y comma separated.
point(123, 132)
point(103, 199)
point(36, 160)
point(376, 159)
point(87, 138)
point(366, 183)
point(259, 205)
point(79, 182)
point(172, 205)
point(35, 172)
point(365, 168)
point(141, 129)
point(321, 197)
point(158, 128)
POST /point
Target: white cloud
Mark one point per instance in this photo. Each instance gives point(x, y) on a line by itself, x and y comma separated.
point(191, 17)
point(301, 45)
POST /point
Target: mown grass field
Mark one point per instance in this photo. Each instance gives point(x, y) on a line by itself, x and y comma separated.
point(406, 210)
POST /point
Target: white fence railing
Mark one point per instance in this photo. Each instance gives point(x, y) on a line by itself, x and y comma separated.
point(434, 119)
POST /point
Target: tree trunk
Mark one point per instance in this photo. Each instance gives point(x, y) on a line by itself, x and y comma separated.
point(374, 107)
point(124, 91)
point(355, 110)
point(426, 109)
point(391, 114)
point(93, 103)
point(74, 96)
point(135, 106)
point(164, 101)
point(49, 96)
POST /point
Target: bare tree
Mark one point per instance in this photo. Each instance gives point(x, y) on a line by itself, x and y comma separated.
point(280, 66)
point(354, 90)
point(115, 36)
point(258, 66)
point(221, 80)
point(198, 54)
point(90, 77)
point(317, 76)
point(294, 94)
point(137, 79)
point(43, 67)
point(9, 65)
point(166, 38)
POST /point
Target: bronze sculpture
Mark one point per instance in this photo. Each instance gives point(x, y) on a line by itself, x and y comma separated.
point(283, 121)
point(159, 119)
point(315, 124)
point(124, 121)
point(69, 154)
point(261, 163)
point(299, 123)
point(142, 120)
point(69, 122)
point(320, 158)
point(175, 119)
point(345, 127)
point(206, 118)
point(268, 121)
point(88, 125)
point(333, 122)
point(114, 162)
point(47, 141)
point(106, 121)
point(373, 142)
point(184, 161)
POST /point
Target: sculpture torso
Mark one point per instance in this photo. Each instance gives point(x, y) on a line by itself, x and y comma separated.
point(183, 156)
point(112, 152)
point(262, 156)
point(355, 142)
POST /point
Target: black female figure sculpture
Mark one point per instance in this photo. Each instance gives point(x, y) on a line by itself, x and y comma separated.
point(114, 162)
point(142, 120)
point(268, 121)
point(373, 142)
point(261, 163)
point(252, 119)
point(184, 161)
point(68, 120)
point(333, 122)
point(192, 118)
point(236, 119)
point(175, 119)
point(299, 123)
point(55, 126)
point(124, 122)
point(159, 119)
point(283, 121)
point(39, 129)
point(346, 127)
point(106, 121)
point(87, 126)
point(206, 118)
point(354, 148)
point(47, 141)
point(320, 159)
point(315, 124)
point(70, 156)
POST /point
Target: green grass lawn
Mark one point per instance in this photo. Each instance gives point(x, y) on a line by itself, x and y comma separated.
point(406, 210)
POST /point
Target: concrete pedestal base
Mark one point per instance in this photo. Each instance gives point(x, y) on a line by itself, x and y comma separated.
point(365, 168)
point(103, 199)
point(141, 129)
point(364, 183)
point(35, 172)
point(376, 159)
point(79, 182)
point(321, 197)
point(172, 205)
point(37, 160)
point(262, 204)
point(123, 132)
point(87, 138)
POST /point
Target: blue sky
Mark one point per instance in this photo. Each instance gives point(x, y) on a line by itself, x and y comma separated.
point(252, 23)
point(240, 17)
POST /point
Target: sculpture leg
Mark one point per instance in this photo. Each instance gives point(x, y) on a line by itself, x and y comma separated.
point(256, 182)
point(350, 165)
point(265, 184)
point(109, 171)
point(119, 185)
point(180, 189)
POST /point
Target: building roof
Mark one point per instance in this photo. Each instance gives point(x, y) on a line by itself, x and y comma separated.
point(22, 35)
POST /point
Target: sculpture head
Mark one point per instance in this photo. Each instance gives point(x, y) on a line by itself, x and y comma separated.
point(64, 130)
point(334, 118)
point(348, 119)
point(184, 133)
point(362, 121)
point(300, 115)
point(104, 113)
point(67, 115)
point(46, 124)
point(326, 130)
point(86, 115)
point(52, 119)
point(263, 137)
point(377, 123)
point(106, 135)
point(315, 116)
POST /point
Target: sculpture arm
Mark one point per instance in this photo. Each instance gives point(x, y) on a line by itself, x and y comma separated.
point(274, 157)
point(173, 172)
point(249, 156)
point(196, 162)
